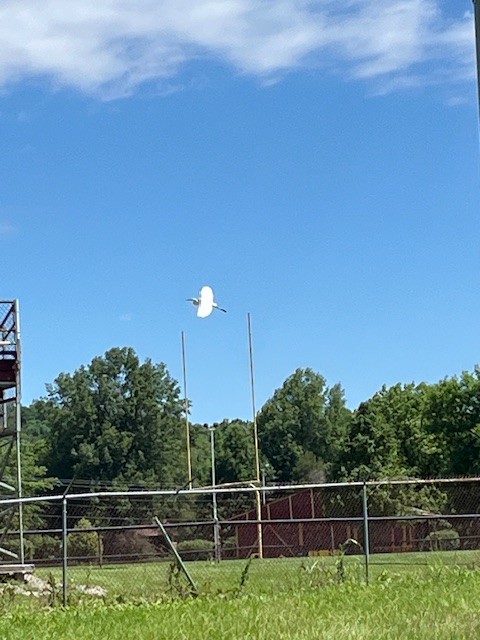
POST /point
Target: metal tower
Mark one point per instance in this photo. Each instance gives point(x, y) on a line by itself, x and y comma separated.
point(10, 426)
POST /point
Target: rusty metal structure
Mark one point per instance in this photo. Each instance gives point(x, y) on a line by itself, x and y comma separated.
point(11, 518)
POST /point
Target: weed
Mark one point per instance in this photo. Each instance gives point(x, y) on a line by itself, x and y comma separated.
point(177, 586)
point(404, 607)
point(7, 597)
point(244, 574)
point(88, 576)
point(53, 590)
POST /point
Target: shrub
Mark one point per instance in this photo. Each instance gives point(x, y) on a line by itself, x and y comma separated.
point(46, 548)
point(198, 549)
point(14, 546)
point(230, 543)
point(84, 545)
point(129, 545)
point(442, 540)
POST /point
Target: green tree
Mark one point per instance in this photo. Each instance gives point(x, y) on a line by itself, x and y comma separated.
point(117, 421)
point(415, 431)
point(452, 420)
point(338, 418)
point(370, 450)
point(35, 482)
point(234, 463)
point(235, 451)
point(387, 437)
point(84, 543)
point(36, 420)
point(374, 451)
point(302, 426)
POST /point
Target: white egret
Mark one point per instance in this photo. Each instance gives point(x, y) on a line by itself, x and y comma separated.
point(205, 302)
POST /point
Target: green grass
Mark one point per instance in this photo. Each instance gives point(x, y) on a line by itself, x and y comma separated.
point(438, 603)
point(269, 576)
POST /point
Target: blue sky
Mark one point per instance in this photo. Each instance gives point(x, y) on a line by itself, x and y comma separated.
point(316, 162)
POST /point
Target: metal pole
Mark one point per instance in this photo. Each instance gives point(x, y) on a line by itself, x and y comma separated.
point(18, 426)
point(255, 438)
point(64, 551)
point(476, 9)
point(366, 542)
point(216, 532)
point(186, 409)
point(264, 497)
point(254, 410)
point(180, 562)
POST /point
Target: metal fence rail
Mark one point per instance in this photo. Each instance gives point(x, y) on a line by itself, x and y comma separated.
point(144, 544)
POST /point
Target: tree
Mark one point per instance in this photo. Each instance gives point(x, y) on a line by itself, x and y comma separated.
point(35, 482)
point(234, 463)
point(116, 421)
point(370, 450)
point(85, 544)
point(338, 418)
point(387, 436)
point(415, 431)
point(301, 427)
point(452, 420)
point(235, 451)
point(387, 440)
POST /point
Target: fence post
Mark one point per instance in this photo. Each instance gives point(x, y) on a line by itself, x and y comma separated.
point(366, 542)
point(180, 562)
point(259, 525)
point(100, 550)
point(64, 551)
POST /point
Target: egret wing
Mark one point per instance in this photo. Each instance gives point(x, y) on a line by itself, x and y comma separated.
point(205, 306)
point(206, 294)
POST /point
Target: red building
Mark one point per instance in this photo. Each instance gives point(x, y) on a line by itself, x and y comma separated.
point(301, 525)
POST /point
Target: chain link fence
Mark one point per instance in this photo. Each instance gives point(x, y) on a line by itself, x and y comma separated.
point(147, 545)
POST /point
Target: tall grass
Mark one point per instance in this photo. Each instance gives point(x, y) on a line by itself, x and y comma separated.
point(268, 576)
point(439, 604)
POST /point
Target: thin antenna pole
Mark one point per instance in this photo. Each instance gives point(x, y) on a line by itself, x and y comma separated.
point(476, 9)
point(255, 439)
point(187, 421)
point(254, 410)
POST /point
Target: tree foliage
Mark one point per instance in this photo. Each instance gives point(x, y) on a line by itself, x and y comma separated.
point(116, 420)
point(235, 452)
point(301, 428)
point(119, 421)
point(415, 431)
point(387, 436)
point(452, 418)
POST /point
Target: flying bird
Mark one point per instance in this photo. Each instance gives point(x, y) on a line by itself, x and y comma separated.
point(205, 302)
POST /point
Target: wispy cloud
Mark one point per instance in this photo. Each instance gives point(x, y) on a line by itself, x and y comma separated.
point(111, 47)
point(126, 317)
point(6, 228)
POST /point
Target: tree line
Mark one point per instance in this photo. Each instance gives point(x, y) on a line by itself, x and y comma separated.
point(119, 422)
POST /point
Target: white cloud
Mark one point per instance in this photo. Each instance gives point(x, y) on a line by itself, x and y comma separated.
point(110, 47)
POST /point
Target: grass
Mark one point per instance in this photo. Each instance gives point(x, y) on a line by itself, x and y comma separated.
point(269, 576)
point(438, 603)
